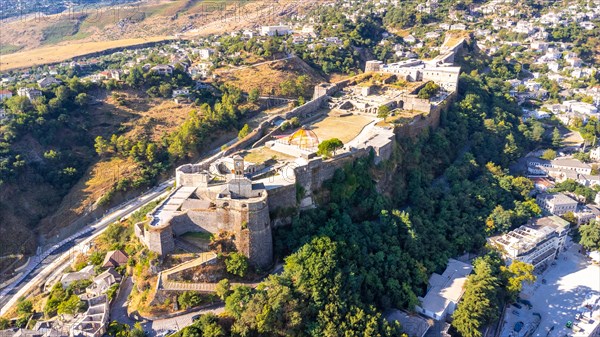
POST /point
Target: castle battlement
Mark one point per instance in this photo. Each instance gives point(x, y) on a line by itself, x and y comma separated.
point(238, 206)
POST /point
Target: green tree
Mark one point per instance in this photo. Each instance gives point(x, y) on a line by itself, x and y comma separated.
point(24, 307)
point(383, 111)
point(165, 90)
point(549, 154)
point(479, 304)
point(236, 302)
point(70, 306)
point(82, 99)
point(253, 95)
point(517, 273)
point(327, 147)
point(189, 299)
point(237, 264)
point(244, 131)
point(556, 138)
point(590, 236)
point(223, 289)
point(429, 90)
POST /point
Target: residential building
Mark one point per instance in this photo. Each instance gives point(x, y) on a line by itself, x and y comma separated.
point(103, 281)
point(162, 70)
point(580, 107)
point(205, 53)
point(595, 154)
point(413, 325)
point(93, 323)
point(47, 82)
point(275, 30)
point(587, 213)
point(537, 243)
point(445, 291)
point(181, 92)
point(5, 94)
point(29, 93)
point(542, 167)
point(84, 274)
point(115, 258)
point(556, 203)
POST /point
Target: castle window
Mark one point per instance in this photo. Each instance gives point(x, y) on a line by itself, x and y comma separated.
point(244, 205)
point(225, 204)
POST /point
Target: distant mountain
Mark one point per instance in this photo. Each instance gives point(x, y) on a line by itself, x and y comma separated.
point(15, 8)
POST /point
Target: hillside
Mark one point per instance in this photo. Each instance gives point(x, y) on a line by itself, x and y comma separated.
point(38, 40)
point(268, 76)
point(29, 201)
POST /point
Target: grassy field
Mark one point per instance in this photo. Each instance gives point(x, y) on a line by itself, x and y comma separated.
point(59, 31)
point(8, 48)
point(343, 128)
point(262, 154)
point(59, 53)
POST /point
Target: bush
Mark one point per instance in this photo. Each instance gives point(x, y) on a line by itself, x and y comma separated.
point(237, 264)
point(25, 307)
point(429, 90)
point(244, 131)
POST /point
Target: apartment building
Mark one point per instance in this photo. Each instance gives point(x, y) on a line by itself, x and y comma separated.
point(556, 203)
point(538, 242)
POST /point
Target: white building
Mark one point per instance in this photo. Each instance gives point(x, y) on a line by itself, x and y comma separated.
point(205, 53)
point(445, 291)
point(537, 243)
point(162, 70)
point(29, 93)
point(595, 154)
point(84, 274)
point(580, 107)
point(557, 203)
point(48, 81)
point(93, 323)
point(275, 30)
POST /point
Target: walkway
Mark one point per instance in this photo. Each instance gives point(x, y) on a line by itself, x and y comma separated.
point(165, 284)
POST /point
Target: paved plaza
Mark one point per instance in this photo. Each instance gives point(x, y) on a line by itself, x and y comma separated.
point(571, 287)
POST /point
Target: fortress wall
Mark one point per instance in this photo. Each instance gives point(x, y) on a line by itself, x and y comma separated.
point(160, 241)
point(412, 102)
point(260, 248)
point(282, 197)
point(253, 137)
point(445, 77)
point(191, 179)
point(306, 108)
point(423, 122)
point(317, 171)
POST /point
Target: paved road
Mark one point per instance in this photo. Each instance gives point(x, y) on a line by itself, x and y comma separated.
point(44, 265)
point(118, 310)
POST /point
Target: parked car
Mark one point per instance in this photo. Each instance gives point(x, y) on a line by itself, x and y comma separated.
point(525, 302)
point(517, 305)
point(516, 313)
point(195, 318)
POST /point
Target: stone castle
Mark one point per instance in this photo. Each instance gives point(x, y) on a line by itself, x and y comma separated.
point(204, 202)
point(246, 199)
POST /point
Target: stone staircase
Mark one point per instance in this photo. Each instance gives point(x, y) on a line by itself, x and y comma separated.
point(165, 284)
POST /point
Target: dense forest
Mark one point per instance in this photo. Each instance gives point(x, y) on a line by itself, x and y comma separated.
point(362, 251)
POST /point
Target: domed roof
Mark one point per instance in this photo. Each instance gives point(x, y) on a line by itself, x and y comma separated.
point(304, 138)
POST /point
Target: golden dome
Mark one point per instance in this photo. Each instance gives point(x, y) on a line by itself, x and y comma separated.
point(304, 138)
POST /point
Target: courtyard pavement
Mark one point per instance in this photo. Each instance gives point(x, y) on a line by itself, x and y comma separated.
point(571, 284)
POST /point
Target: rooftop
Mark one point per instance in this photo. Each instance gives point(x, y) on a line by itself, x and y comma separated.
point(526, 237)
point(557, 198)
point(447, 287)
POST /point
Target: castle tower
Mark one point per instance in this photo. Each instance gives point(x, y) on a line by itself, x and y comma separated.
point(238, 165)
